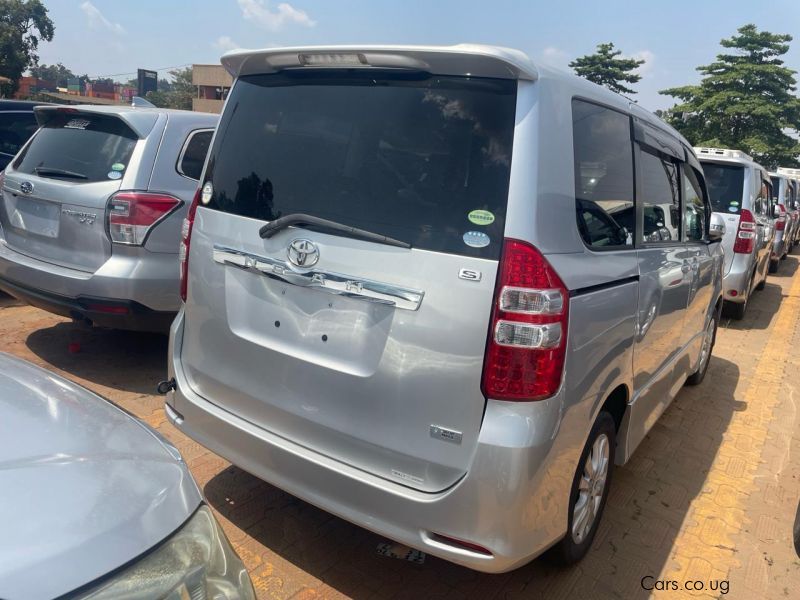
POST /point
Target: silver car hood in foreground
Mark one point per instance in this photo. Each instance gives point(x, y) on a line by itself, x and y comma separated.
point(84, 487)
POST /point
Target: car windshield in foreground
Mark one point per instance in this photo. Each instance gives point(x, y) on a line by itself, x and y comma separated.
point(725, 185)
point(420, 159)
point(79, 147)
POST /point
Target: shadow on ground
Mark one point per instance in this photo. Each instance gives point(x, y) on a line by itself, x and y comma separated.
point(124, 360)
point(648, 503)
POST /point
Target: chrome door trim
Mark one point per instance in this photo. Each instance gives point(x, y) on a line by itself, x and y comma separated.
point(326, 281)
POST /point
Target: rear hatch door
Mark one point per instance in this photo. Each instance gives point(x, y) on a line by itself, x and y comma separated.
point(725, 184)
point(366, 352)
point(53, 205)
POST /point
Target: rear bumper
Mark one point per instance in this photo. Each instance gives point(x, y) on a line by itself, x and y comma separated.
point(779, 245)
point(735, 282)
point(105, 312)
point(145, 283)
point(513, 501)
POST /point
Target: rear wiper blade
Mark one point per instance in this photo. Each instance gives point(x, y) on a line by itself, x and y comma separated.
point(298, 219)
point(52, 172)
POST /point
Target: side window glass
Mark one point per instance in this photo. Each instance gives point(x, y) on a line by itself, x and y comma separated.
point(660, 199)
point(194, 155)
point(15, 129)
point(604, 181)
point(694, 209)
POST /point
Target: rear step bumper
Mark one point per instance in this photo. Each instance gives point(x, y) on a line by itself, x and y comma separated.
point(512, 501)
point(104, 312)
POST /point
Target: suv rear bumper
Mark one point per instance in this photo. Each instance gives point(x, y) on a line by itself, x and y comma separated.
point(737, 278)
point(779, 246)
point(136, 289)
point(513, 501)
point(105, 312)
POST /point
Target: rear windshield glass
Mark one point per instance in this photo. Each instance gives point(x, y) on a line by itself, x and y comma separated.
point(725, 187)
point(422, 159)
point(79, 147)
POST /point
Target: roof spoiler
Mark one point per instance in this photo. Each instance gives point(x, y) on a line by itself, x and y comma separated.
point(141, 123)
point(460, 60)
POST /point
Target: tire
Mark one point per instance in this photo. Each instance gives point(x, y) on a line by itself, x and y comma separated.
point(709, 337)
point(571, 549)
point(761, 284)
point(736, 310)
point(773, 266)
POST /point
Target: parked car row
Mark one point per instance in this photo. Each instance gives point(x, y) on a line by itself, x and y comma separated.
point(437, 291)
point(760, 211)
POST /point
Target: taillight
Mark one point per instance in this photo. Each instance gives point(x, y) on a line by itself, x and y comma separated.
point(745, 236)
point(527, 338)
point(780, 224)
point(183, 249)
point(131, 215)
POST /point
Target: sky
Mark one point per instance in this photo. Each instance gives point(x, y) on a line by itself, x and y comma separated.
point(112, 38)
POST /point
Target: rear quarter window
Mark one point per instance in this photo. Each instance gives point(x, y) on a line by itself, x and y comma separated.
point(193, 155)
point(604, 182)
point(80, 148)
point(423, 159)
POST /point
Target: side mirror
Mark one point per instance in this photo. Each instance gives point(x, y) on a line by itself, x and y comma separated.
point(716, 230)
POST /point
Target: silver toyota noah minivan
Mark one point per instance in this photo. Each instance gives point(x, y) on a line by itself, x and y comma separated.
point(440, 292)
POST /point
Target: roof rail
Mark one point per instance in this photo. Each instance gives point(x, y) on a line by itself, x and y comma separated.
point(723, 152)
point(790, 172)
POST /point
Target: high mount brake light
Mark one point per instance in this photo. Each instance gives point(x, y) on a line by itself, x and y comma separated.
point(527, 338)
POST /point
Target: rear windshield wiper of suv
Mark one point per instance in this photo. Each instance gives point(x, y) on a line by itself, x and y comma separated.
point(53, 172)
point(298, 219)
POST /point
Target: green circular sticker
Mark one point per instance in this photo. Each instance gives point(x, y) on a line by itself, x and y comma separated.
point(117, 167)
point(481, 217)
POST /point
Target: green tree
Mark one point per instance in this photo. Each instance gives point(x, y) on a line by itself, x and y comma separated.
point(605, 68)
point(745, 100)
point(23, 23)
point(58, 73)
point(179, 94)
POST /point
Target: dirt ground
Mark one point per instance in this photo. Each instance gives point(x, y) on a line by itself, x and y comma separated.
point(708, 500)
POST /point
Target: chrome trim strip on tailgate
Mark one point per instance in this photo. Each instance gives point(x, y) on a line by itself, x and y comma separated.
point(326, 281)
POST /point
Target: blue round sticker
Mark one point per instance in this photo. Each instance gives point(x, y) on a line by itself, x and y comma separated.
point(114, 175)
point(476, 239)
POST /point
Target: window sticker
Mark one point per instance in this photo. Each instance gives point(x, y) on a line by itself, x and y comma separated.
point(476, 239)
point(734, 203)
point(114, 175)
point(117, 167)
point(77, 124)
point(732, 209)
point(208, 191)
point(481, 217)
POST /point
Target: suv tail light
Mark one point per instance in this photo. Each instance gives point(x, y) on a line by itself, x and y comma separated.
point(527, 338)
point(745, 236)
point(183, 249)
point(132, 215)
point(780, 225)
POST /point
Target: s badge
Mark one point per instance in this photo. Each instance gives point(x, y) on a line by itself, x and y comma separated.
point(469, 275)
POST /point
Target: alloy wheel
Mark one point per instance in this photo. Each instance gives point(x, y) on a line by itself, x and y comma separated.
point(591, 488)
